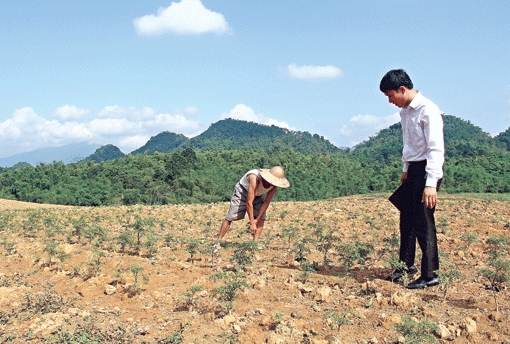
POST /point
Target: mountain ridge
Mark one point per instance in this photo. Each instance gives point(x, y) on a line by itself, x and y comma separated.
point(462, 138)
point(72, 152)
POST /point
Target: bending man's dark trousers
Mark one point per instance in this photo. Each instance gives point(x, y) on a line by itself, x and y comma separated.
point(417, 222)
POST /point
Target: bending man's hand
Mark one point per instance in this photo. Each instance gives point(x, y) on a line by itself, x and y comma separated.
point(253, 227)
point(429, 197)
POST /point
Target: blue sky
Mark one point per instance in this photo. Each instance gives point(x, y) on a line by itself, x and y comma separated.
point(119, 72)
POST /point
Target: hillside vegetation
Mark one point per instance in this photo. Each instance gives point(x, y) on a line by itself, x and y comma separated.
point(475, 162)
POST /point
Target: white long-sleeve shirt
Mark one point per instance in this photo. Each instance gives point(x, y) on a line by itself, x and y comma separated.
point(422, 125)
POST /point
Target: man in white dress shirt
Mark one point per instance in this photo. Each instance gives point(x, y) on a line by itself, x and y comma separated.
point(252, 195)
point(423, 158)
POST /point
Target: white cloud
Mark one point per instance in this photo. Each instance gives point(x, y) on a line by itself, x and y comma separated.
point(245, 113)
point(132, 143)
point(54, 131)
point(67, 112)
point(116, 111)
point(26, 130)
point(174, 122)
point(130, 128)
point(313, 73)
point(24, 123)
point(113, 126)
point(188, 17)
point(191, 110)
point(361, 127)
point(126, 127)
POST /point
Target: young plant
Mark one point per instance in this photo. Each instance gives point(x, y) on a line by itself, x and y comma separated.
point(140, 228)
point(54, 252)
point(95, 264)
point(228, 338)
point(443, 225)
point(278, 317)
point(46, 302)
point(9, 246)
point(417, 333)
point(336, 320)
point(118, 273)
point(150, 243)
point(76, 269)
point(243, 253)
point(394, 264)
point(213, 249)
point(498, 271)
point(137, 272)
point(125, 240)
point(469, 238)
point(390, 245)
point(193, 248)
point(306, 270)
point(96, 235)
point(353, 253)
point(325, 241)
point(447, 276)
point(190, 299)
point(175, 338)
point(170, 241)
point(79, 228)
point(290, 234)
point(227, 293)
point(300, 248)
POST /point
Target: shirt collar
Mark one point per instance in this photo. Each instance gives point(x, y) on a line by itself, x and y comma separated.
point(416, 100)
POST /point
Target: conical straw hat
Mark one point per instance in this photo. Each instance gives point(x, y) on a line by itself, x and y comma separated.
point(275, 176)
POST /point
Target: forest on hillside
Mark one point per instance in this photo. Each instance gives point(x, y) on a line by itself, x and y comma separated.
point(188, 176)
point(206, 173)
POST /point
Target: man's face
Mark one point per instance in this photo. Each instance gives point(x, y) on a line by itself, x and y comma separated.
point(397, 97)
point(266, 184)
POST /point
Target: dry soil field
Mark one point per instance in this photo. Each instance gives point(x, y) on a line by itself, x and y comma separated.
point(152, 275)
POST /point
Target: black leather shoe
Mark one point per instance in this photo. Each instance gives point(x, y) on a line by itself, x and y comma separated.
point(422, 282)
point(399, 273)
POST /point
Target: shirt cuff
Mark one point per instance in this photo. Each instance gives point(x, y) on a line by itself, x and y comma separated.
point(432, 182)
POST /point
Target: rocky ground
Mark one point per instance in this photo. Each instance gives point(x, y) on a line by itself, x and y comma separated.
point(153, 275)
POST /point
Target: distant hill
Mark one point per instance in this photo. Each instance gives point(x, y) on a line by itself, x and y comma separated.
point(231, 134)
point(207, 173)
point(105, 153)
point(462, 139)
point(69, 153)
point(503, 140)
point(15, 166)
point(164, 142)
point(20, 165)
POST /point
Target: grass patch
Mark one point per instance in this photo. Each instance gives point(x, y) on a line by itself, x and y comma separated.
point(502, 197)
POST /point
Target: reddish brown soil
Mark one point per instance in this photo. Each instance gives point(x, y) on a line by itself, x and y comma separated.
point(50, 301)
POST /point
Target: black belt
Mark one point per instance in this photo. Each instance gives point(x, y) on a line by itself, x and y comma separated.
point(417, 162)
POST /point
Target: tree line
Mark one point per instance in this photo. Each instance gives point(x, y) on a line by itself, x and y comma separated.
point(189, 176)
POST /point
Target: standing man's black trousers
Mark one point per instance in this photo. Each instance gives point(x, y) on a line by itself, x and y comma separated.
point(417, 222)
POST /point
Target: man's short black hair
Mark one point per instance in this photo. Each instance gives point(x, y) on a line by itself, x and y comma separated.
point(394, 79)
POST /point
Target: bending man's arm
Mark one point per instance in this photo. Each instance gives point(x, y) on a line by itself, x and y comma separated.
point(249, 201)
point(265, 205)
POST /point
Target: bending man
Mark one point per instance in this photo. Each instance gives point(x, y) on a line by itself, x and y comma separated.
point(252, 195)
